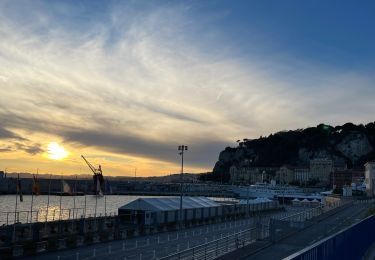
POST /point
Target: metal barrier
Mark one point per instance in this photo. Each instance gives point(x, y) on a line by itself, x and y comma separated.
point(161, 245)
point(286, 226)
point(43, 215)
point(177, 246)
point(218, 247)
point(207, 242)
point(351, 243)
point(304, 215)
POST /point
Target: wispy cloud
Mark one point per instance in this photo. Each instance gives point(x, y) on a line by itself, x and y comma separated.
point(139, 81)
point(15, 142)
point(6, 134)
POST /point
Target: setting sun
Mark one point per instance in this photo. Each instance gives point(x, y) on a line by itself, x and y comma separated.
point(56, 151)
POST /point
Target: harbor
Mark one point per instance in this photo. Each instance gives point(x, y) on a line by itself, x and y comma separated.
point(207, 230)
point(132, 220)
point(67, 219)
point(78, 218)
point(187, 130)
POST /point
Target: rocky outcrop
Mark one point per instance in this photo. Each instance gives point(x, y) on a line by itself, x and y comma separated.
point(354, 146)
point(349, 144)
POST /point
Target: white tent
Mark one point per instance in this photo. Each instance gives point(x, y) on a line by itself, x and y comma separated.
point(169, 204)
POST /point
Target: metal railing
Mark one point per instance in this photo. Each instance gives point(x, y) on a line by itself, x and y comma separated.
point(43, 215)
point(214, 249)
point(350, 243)
point(161, 245)
point(218, 247)
point(197, 243)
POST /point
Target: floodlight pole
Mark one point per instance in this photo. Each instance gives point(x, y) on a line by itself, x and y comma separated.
point(181, 148)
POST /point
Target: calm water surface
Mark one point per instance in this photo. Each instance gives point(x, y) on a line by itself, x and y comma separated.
point(104, 205)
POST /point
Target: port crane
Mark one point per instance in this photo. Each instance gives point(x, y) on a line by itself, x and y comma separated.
point(98, 177)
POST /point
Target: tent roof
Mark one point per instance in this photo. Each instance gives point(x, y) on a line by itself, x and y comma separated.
point(168, 204)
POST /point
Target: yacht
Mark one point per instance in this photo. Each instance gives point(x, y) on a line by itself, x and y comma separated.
point(265, 190)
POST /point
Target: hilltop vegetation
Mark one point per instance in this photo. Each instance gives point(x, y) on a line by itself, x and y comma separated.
point(348, 144)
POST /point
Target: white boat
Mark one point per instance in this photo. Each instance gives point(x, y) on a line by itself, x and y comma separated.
point(264, 190)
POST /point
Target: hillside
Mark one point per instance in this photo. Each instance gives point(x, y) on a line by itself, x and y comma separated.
point(348, 144)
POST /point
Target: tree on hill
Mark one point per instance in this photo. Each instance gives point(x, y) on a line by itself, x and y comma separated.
point(285, 147)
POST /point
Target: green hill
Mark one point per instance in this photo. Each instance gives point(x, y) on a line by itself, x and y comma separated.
point(348, 144)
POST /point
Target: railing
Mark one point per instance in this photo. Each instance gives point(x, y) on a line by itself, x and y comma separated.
point(43, 215)
point(216, 248)
point(196, 243)
point(304, 215)
point(351, 243)
point(164, 244)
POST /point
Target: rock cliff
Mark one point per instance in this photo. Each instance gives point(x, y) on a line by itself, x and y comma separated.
point(349, 144)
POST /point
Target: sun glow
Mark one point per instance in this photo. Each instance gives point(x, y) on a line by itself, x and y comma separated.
point(56, 151)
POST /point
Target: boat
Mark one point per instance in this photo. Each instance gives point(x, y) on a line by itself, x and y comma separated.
point(265, 190)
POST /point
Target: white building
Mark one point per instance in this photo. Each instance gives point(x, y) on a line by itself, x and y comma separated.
point(302, 175)
point(321, 169)
point(370, 178)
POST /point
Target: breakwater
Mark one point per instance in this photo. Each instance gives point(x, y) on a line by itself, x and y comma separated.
point(117, 187)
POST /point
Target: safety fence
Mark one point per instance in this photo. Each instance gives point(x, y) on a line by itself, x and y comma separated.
point(216, 248)
point(44, 215)
point(159, 246)
point(351, 243)
point(265, 229)
point(286, 226)
point(202, 243)
point(207, 242)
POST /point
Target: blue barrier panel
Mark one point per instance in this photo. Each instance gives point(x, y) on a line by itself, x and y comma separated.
point(350, 243)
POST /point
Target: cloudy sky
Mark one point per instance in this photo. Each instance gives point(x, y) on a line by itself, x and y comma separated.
point(126, 82)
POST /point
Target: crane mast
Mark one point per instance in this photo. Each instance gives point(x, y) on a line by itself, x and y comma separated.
point(98, 177)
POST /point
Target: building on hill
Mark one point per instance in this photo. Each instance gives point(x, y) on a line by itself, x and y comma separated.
point(370, 178)
point(302, 175)
point(285, 174)
point(244, 175)
point(251, 175)
point(321, 169)
point(341, 178)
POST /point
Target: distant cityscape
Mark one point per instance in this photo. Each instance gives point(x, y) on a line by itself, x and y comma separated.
point(322, 172)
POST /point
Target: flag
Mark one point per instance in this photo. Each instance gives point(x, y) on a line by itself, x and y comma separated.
point(19, 188)
point(66, 187)
point(36, 186)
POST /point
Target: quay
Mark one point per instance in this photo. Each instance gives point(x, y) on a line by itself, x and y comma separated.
point(206, 241)
point(22, 239)
point(235, 231)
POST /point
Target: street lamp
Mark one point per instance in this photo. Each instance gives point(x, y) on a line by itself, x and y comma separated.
point(181, 148)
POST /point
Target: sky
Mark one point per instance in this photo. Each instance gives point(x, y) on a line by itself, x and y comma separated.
point(125, 82)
